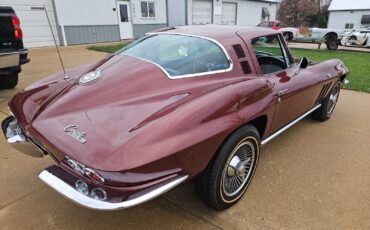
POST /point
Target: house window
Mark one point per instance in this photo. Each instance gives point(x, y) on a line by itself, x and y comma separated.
point(265, 13)
point(147, 9)
point(349, 26)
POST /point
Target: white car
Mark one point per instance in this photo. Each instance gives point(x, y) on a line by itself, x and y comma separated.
point(314, 35)
point(360, 38)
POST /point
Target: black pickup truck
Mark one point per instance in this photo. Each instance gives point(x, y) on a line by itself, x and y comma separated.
point(12, 52)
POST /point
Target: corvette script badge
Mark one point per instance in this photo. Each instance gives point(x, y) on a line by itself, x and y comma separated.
point(75, 134)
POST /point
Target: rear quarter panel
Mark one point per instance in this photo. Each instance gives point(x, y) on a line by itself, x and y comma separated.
point(196, 130)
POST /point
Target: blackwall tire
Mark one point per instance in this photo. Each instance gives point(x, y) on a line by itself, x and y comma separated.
point(230, 172)
point(332, 42)
point(8, 81)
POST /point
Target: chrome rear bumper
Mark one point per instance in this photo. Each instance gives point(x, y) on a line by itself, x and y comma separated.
point(71, 193)
point(19, 140)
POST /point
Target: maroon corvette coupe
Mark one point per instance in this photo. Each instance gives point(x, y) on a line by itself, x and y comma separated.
point(189, 102)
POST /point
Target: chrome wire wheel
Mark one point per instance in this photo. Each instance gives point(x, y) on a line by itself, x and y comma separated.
point(239, 168)
point(333, 98)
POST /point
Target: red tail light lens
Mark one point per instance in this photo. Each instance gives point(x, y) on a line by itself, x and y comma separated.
point(17, 27)
point(94, 175)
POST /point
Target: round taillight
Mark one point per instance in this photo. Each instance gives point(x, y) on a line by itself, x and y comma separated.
point(99, 194)
point(94, 175)
point(82, 187)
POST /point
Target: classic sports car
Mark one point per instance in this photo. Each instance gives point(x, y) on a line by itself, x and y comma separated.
point(330, 37)
point(359, 38)
point(188, 102)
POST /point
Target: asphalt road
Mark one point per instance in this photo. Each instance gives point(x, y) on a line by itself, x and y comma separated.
point(314, 176)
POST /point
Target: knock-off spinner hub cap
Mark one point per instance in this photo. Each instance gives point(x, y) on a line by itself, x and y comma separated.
point(239, 168)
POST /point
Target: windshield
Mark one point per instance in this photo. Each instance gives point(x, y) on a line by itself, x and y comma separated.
point(179, 54)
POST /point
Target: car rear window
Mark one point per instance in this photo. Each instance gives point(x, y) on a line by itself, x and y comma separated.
point(179, 55)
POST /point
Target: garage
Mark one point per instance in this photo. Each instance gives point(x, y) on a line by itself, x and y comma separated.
point(202, 12)
point(34, 23)
point(229, 13)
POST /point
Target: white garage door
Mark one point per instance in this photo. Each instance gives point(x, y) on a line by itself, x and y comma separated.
point(202, 12)
point(36, 31)
point(228, 13)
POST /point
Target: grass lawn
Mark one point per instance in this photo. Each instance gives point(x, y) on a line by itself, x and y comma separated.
point(358, 63)
point(107, 48)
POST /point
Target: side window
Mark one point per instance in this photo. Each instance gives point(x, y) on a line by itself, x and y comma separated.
point(180, 55)
point(123, 13)
point(349, 26)
point(270, 53)
point(147, 9)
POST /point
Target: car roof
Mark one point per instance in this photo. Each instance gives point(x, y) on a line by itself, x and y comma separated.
point(220, 32)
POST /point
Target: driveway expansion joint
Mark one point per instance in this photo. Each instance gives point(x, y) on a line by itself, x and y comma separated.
point(192, 213)
point(20, 198)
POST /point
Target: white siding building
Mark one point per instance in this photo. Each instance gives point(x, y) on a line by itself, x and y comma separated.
point(229, 12)
point(36, 30)
point(349, 14)
point(92, 21)
point(87, 21)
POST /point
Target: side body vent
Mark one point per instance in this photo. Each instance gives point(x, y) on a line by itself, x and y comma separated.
point(239, 51)
point(245, 66)
point(242, 58)
point(323, 93)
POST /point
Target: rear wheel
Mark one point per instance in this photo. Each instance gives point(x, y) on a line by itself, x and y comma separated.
point(332, 42)
point(328, 105)
point(8, 81)
point(228, 175)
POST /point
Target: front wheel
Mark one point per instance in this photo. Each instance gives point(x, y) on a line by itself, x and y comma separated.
point(328, 105)
point(228, 175)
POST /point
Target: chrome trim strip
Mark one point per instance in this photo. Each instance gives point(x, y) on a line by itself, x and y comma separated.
point(195, 74)
point(77, 197)
point(9, 53)
point(14, 52)
point(277, 133)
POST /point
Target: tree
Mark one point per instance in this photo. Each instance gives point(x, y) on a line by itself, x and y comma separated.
point(297, 13)
point(320, 19)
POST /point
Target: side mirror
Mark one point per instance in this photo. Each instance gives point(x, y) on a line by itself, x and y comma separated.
point(303, 63)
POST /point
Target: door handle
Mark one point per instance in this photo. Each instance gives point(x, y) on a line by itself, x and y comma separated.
point(281, 92)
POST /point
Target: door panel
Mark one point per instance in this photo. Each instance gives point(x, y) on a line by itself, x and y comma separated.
point(228, 13)
point(176, 12)
point(124, 20)
point(202, 12)
point(293, 88)
point(294, 95)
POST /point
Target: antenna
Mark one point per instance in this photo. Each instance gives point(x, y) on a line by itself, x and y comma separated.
point(66, 77)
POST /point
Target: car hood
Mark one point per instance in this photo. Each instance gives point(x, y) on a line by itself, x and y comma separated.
point(130, 94)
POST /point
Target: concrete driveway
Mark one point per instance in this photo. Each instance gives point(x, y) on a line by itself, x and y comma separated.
point(314, 176)
point(314, 46)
